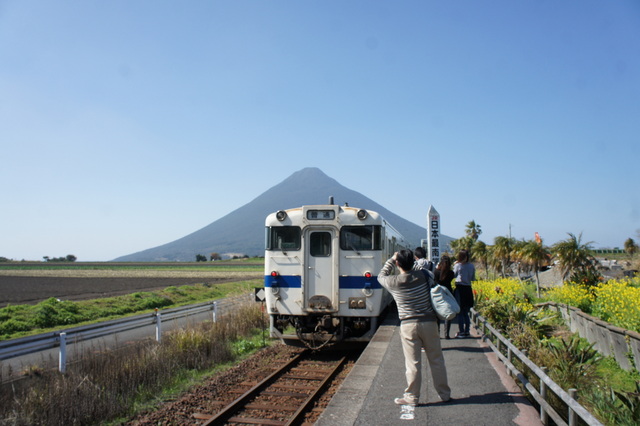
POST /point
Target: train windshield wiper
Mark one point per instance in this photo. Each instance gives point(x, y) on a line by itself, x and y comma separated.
point(353, 248)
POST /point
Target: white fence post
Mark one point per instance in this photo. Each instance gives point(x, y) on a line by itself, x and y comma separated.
point(509, 359)
point(544, 417)
point(158, 326)
point(215, 311)
point(62, 357)
point(573, 417)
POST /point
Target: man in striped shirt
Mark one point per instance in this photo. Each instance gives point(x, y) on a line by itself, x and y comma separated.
point(418, 326)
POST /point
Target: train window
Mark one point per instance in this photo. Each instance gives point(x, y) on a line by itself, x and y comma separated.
point(283, 238)
point(320, 244)
point(367, 237)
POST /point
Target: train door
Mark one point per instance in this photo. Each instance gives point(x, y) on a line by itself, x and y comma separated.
point(321, 288)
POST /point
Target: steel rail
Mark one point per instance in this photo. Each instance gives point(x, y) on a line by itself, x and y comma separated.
point(323, 377)
point(298, 415)
point(228, 411)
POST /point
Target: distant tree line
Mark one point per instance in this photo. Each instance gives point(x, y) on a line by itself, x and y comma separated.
point(216, 256)
point(67, 258)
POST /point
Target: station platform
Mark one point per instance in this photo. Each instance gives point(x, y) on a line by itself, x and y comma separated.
point(482, 391)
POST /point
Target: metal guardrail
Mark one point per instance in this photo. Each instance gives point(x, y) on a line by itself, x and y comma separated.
point(574, 409)
point(58, 339)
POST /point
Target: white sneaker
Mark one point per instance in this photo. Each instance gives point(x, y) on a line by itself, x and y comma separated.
point(402, 401)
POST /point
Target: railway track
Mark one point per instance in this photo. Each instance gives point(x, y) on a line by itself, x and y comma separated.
point(285, 396)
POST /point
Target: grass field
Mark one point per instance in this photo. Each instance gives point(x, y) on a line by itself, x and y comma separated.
point(252, 264)
point(35, 297)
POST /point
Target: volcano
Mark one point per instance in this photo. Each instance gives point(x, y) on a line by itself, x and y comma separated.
point(242, 230)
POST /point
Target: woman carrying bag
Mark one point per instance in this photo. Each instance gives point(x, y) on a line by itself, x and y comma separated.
point(465, 274)
point(443, 276)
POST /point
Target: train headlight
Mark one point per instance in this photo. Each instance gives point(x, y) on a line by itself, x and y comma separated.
point(367, 290)
point(275, 289)
point(362, 214)
point(281, 215)
point(357, 303)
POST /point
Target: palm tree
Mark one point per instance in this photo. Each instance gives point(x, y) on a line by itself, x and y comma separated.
point(502, 252)
point(573, 256)
point(473, 230)
point(462, 243)
point(494, 262)
point(481, 254)
point(454, 245)
point(516, 257)
point(630, 247)
point(536, 255)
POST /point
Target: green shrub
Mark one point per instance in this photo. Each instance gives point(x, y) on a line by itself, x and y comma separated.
point(175, 290)
point(244, 346)
point(53, 312)
point(631, 403)
point(152, 302)
point(576, 362)
point(12, 325)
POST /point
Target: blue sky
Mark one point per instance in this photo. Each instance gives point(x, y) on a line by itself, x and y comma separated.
point(126, 125)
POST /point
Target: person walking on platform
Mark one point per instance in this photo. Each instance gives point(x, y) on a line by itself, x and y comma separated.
point(465, 274)
point(418, 327)
point(443, 276)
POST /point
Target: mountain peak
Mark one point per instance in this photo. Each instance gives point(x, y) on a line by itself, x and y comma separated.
point(309, 171)
point(309, 175)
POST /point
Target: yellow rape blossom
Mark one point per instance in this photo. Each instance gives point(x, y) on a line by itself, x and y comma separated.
point(577, 295)
point(618, 303)
point(615, 301)
point(507, 290)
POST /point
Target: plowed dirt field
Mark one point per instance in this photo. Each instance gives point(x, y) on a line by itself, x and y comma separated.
point(31, 288)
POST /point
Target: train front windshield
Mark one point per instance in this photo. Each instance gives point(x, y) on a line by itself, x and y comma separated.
point(355, 238)
point(368, 237)
point(282, 238)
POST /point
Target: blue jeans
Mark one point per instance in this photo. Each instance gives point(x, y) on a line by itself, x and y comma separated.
point(464, 321)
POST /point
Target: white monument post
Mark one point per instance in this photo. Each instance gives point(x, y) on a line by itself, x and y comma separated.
point(433, 235)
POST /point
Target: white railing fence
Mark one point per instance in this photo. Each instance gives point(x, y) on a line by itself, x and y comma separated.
point(61, 339)
point(505, 350)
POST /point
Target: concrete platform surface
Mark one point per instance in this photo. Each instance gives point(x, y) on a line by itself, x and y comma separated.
point(482, 391)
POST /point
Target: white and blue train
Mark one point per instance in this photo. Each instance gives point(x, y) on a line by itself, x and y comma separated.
point(321, 265)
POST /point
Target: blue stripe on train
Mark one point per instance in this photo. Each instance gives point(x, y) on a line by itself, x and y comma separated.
point(284, 281)
point(294, 281)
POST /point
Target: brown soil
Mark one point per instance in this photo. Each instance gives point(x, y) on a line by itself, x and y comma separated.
point(16, 290)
